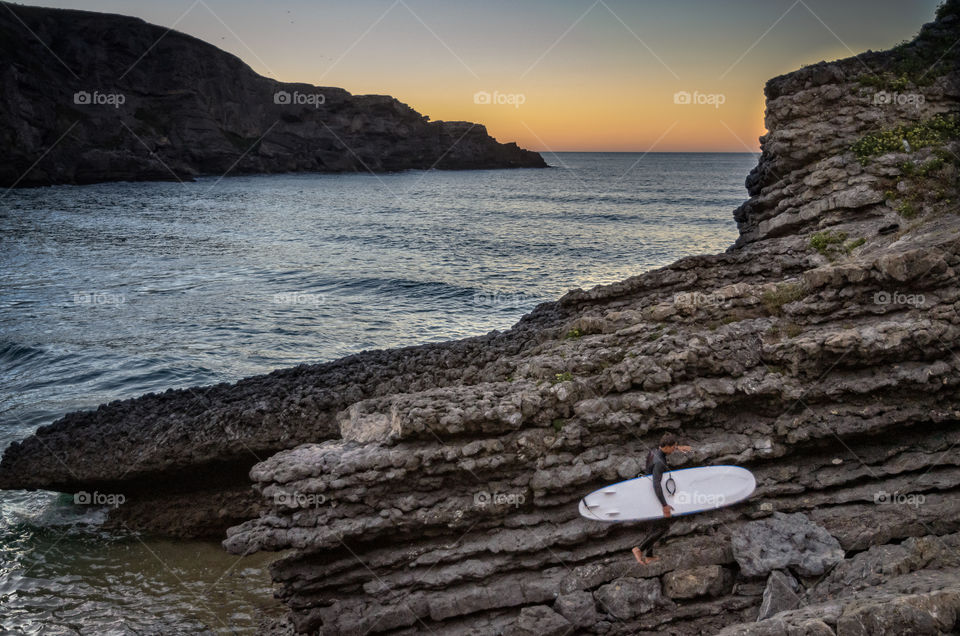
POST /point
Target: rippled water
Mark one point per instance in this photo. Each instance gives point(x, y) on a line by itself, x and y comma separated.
point(110, 291)
point(63, 576)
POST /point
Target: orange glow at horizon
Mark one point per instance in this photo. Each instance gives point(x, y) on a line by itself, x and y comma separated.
point(615, 122)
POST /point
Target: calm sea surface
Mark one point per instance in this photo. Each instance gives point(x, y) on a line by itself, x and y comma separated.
point(114, 290)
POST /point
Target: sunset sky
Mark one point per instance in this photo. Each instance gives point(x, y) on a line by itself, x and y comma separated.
point(571, 74)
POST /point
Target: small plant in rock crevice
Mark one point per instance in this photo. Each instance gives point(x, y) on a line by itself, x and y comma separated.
point(927, 187)
point(785, 293)
point(824, 241)
point(566, 376)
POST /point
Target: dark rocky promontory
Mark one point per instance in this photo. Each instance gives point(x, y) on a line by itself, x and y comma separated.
point(87, 97)
point(434, 489)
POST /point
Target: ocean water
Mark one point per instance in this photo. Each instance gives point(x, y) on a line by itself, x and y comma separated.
point(114, 290)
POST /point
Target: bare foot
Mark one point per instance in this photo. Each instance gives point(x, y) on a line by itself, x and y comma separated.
point(641, 559)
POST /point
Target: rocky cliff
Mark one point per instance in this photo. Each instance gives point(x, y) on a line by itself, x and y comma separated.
point(88, 97)
point(435, 489)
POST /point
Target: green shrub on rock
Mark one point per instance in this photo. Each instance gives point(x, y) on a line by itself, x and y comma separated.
point(931, 132)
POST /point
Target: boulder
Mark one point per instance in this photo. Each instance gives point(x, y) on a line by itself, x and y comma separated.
point(628, 597)
point(781, 594)
point(578, 607)
point(539, 620)
point(781, 541)
point(707, 580)
point(930, 613)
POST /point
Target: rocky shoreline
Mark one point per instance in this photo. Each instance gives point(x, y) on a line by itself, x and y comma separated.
point(88, 97)
point(435, 488)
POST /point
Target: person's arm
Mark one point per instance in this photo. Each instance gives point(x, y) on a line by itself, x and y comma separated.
point(684, 449)
point(657, 478)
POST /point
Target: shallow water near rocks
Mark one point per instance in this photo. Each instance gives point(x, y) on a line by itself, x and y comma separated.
point(61, 575)
point(114, 290)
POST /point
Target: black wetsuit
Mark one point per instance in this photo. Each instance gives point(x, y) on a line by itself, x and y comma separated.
point(656, 466)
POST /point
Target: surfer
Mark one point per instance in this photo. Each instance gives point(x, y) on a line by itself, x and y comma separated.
point(656, 465)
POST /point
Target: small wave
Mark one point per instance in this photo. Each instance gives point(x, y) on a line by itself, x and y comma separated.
point(13, 354)
point(28, 510)
point(396, 287)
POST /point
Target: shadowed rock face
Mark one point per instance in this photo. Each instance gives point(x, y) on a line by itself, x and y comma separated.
point(182, 457)
point(128, 100)
point(438, 489)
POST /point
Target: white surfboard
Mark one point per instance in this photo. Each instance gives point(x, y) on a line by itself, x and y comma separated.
point(697, 490)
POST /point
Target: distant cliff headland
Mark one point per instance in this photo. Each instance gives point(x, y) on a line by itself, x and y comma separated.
point(435, 488)
point(88, 97)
